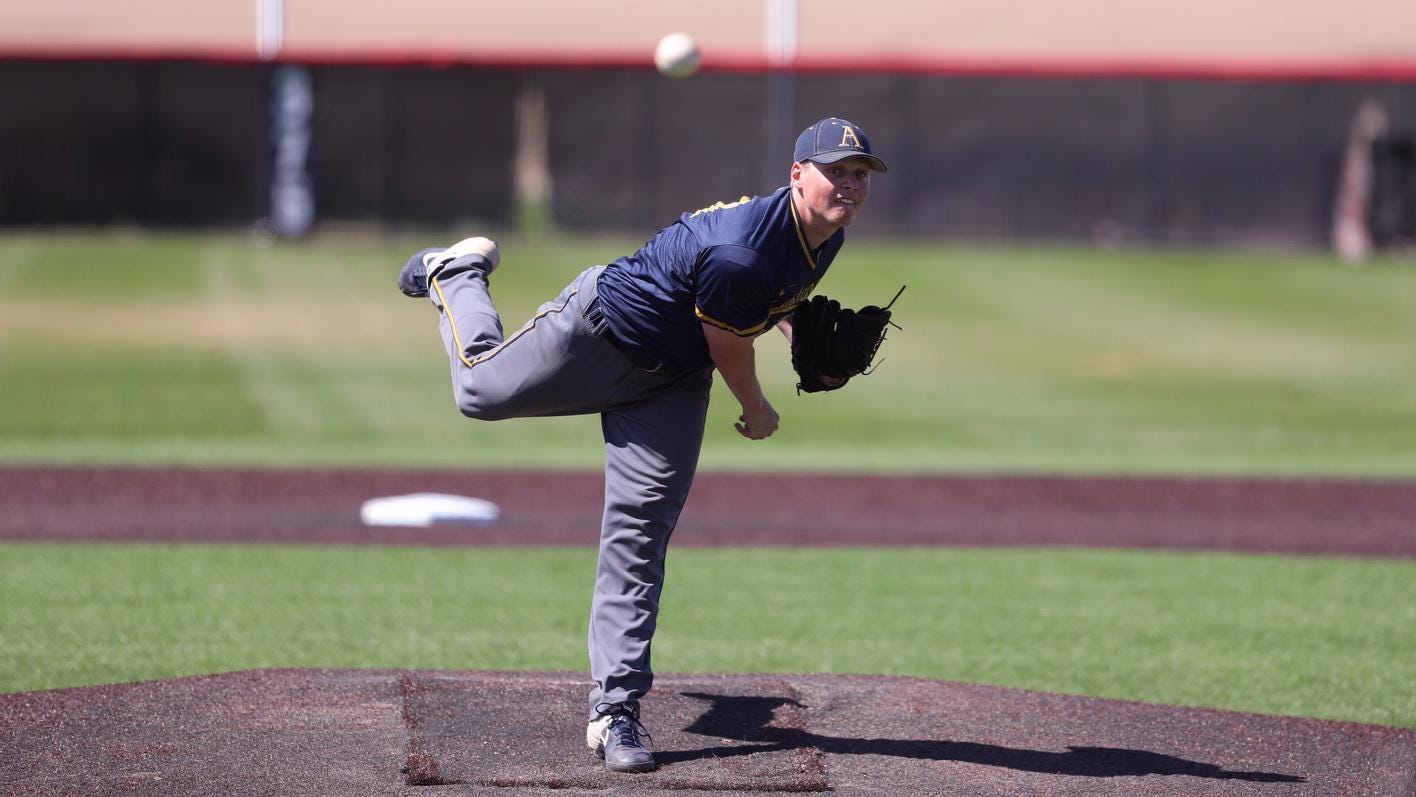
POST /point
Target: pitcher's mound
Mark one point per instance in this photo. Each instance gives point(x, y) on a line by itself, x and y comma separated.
point(318, 732)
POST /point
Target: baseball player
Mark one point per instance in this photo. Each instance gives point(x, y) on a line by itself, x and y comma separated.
point(637, 341)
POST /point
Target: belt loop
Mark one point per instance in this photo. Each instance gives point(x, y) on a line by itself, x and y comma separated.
point(592, 312)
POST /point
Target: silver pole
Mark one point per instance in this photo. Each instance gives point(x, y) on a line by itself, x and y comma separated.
point(270, 28)
point(780, 47)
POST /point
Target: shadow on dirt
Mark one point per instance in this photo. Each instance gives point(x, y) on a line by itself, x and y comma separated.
point(748, 719)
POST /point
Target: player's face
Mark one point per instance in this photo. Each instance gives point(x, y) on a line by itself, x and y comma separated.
point(831, 194)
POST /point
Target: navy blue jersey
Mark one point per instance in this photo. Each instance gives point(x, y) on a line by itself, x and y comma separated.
point(739, 266)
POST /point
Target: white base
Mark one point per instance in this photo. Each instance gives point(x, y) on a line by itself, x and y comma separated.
point(426, 509)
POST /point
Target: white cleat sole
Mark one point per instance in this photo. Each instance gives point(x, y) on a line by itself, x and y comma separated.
point(485, 248)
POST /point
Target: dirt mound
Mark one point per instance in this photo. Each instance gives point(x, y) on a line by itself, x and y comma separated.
point(316, 733)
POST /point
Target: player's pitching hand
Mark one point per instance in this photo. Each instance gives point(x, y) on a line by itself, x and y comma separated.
point(758, 423)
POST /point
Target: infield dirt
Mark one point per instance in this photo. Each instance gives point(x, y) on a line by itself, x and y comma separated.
point(1302, 516)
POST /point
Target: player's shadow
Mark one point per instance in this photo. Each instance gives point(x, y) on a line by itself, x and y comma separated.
point(749, 719)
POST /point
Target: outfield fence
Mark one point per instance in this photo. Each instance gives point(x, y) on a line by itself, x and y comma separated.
point(1095, 158)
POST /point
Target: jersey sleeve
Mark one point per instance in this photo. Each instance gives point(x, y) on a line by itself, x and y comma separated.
point(734, 290)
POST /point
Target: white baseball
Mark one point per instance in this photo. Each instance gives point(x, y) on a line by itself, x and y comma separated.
point(677, 55)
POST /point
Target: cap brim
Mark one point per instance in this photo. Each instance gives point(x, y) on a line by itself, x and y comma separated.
point(841, 154)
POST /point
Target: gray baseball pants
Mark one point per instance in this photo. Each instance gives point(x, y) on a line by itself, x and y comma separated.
point(562, 363)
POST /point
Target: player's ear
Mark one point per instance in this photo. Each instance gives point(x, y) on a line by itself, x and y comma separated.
point(796, 173)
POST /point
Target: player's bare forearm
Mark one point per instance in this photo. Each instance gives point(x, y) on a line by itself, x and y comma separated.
point(736, 361)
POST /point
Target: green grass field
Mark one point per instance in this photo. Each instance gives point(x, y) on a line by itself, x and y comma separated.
point(124, 348)
point(216, 350)
point(1307, 636)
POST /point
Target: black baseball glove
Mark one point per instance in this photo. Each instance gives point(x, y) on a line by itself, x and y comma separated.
point(831, 344)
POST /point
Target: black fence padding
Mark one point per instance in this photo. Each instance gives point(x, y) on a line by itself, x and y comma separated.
point(631, 153)
point(1394, 190)
point(414, 145)
point(1116, 160)
point(131, 142)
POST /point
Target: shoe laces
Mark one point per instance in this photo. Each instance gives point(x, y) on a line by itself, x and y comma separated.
point(626, 727)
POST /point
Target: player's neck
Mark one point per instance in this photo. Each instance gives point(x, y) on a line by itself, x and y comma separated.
point(814, 229)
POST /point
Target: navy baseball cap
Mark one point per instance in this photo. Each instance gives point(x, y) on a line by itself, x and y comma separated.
point(832, 139)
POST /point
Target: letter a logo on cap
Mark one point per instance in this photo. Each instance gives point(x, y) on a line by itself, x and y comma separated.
point(814, 144)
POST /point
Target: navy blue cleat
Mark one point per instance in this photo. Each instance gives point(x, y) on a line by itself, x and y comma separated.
point(424, 265)
point(413, 279)
point(618, 737)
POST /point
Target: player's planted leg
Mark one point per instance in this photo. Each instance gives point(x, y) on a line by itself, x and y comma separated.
point(651, 453)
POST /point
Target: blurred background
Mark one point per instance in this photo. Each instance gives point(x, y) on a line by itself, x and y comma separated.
point(1154, 122)
point(1123, 224)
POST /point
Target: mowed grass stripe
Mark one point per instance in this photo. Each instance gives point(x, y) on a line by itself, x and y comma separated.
point(1318, 637)
point(1010, 359)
